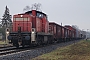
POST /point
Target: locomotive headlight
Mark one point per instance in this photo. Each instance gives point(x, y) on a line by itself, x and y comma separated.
point(33, 32)
point(7, 32)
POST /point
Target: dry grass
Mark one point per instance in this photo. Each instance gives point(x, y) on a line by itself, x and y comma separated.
point(2, 42)
point(79, 51)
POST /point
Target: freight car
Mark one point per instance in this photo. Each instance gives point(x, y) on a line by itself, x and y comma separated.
point(33, 28)
point(62, 33)
point(72, 32)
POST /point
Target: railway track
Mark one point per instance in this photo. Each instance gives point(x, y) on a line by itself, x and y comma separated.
point(10, 50)
point(7, 50)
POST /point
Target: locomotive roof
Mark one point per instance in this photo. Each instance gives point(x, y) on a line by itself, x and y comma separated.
point(36, 11)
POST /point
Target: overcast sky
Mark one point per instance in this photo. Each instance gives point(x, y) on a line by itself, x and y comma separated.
point(69, 12)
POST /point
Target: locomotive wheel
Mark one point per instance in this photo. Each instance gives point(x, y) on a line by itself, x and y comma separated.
point(15, 42)
point(17, 45)
point(23, 43)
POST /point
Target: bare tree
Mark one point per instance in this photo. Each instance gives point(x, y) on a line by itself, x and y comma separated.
point(35, 6)
point(27, 8)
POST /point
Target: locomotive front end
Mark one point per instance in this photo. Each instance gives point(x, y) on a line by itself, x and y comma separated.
point(21, 32)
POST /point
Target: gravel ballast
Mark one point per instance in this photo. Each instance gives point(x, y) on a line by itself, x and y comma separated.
point(32, 53)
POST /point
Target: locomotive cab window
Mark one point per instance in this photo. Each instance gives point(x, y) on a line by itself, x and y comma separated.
point(40, 15)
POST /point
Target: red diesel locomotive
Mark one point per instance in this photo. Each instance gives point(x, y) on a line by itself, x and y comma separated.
point(33, 28)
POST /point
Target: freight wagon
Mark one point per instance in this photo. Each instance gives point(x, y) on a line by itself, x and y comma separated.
point(72, 32)
point(62, 33)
